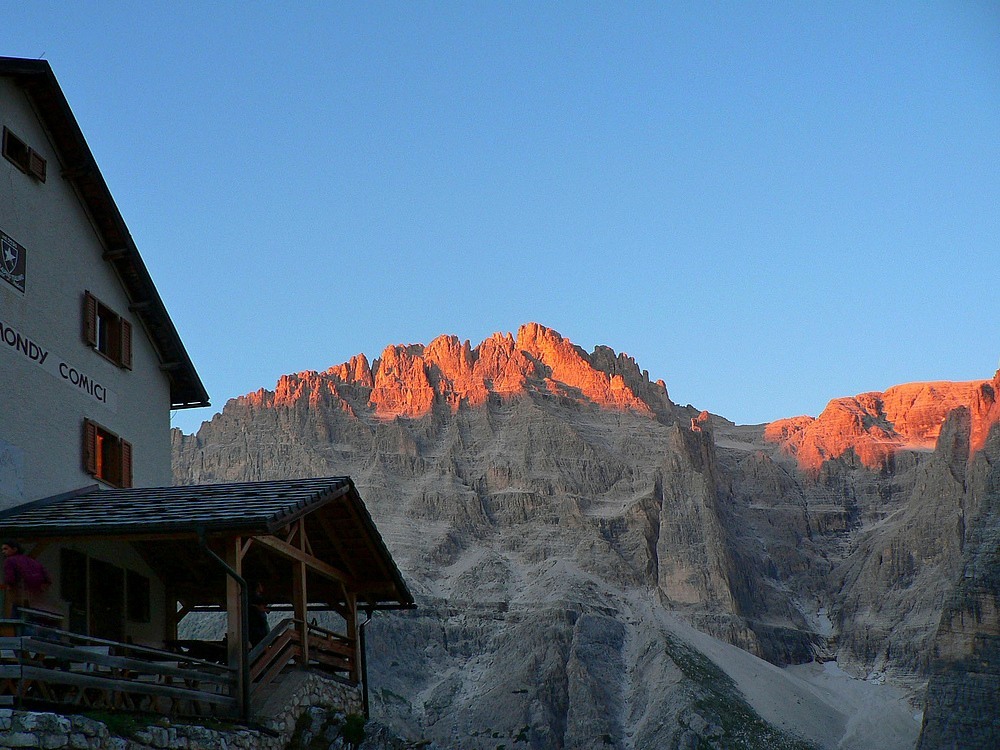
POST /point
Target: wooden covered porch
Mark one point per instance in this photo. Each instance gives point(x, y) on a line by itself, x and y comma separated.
point(310, 544)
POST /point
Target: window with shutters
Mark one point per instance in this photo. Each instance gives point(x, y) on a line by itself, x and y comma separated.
point(106, 456)
point(18, 153)
point(107, 331)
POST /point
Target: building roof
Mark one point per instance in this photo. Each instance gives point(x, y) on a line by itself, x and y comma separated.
point(169, 521)
point(250, 507)
point(36, 79)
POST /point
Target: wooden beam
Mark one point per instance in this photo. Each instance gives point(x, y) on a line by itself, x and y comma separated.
point(304, 538)
point(313, 563)
point(170, 615)
point(352, 636)
point(334, 539)
point(173, 536)
point(377, 556)
point(369, 543)
point(339, 608)
point(300, 598)
point(234, 624)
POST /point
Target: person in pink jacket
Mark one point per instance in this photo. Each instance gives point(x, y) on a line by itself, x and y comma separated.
point(25, 579)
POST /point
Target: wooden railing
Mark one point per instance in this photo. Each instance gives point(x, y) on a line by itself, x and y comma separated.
point(44, 665)
point(329, 652)
point(333, 653)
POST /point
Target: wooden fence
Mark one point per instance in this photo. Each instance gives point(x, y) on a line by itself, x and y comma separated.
point(43, 665)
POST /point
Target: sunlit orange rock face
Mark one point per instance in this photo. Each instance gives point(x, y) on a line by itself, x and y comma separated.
point(407, 381)
point(875, 425)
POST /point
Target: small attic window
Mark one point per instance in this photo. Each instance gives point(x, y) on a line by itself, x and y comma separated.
point(18, 153)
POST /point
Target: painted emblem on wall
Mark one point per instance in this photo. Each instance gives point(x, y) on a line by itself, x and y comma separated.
point(12, 262)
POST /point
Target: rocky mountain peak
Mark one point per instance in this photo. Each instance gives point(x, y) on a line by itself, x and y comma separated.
point(568, 530)
point(354, 370)
point(409, 380)
point(876, 425)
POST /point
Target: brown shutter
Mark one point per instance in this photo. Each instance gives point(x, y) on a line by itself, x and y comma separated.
point(126, 464)
point(90, 318)
point(89, 447)
point(36, 165)
point(126, 348)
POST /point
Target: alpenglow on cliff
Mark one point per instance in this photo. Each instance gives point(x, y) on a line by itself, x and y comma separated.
point(583, 549)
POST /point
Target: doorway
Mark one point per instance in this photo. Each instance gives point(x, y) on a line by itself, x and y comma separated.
point(107, 601)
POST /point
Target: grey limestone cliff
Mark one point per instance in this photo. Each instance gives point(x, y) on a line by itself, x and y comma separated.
point(963, 694)
point(551, 515)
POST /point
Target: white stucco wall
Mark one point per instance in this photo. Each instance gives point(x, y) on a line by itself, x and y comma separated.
point(41, 417)
point(41, 411)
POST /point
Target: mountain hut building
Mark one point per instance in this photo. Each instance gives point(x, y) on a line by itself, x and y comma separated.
point(91, 366)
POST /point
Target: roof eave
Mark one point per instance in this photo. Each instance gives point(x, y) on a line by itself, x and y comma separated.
point(80, 168)
point(405, 597)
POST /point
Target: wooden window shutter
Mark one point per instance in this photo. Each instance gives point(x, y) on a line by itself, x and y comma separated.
point(126, 463)
point(89, 447)
point(36, 165)
point(126, 348)
point(90, 318)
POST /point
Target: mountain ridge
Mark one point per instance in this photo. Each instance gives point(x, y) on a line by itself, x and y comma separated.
point(877, 424)
point(545, 528)
point(407, 380)
point(410, 380)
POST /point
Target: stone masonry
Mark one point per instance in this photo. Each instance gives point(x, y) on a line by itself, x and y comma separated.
point(299, 693)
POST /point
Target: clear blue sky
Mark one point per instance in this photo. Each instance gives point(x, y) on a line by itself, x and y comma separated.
point(767, 204)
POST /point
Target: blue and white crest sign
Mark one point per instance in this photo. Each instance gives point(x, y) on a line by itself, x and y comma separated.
point(12, 262)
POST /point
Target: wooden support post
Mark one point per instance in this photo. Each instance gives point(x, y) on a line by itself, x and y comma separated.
point(300, 602)
point(235, 636)
point(170, 615)
point(352, 634)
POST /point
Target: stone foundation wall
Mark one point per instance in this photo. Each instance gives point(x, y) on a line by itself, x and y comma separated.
point(300, 691)
point(28, 729)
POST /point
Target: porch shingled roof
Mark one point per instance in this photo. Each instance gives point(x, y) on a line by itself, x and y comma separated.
point(243, 508)
point(259, 507)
